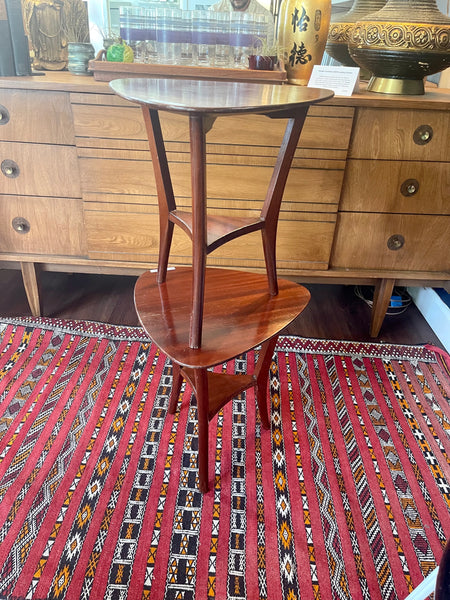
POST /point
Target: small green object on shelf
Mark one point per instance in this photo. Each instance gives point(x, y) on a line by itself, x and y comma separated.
point(120, 52)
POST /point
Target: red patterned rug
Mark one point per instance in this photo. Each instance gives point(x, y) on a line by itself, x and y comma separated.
point(348, 495)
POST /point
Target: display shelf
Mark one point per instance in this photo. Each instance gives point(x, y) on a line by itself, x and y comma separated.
point(107, 71)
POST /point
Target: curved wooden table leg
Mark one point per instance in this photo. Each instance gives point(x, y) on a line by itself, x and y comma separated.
point(165, 242)
point(261, 377)
point(272, 203)
point(177, 380)
point(201, 393)
point(382, 297)
point(31, 284)
point(164, 188)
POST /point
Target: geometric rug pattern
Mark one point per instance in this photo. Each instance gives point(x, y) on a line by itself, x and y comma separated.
point(346, 497)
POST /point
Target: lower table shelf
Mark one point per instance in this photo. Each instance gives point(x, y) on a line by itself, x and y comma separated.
point(239, 314)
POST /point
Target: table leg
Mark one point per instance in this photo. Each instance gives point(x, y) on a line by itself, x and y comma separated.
point(274, 196)
point(201, 393)
point(177, 380)
point(166, 199)
point(382, 297)
point(199, 229)
point(261, 376)
point(31, 284)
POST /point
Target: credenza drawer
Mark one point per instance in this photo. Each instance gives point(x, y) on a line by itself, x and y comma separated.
point(114, 232)
point(121, 234)
point(39, 170)
point(329, 129)
point(392, 242)
point(401, 134)
point(396, 187)
point(242, 185)
point(110, 122)
point(35, 225)
point(36, 116)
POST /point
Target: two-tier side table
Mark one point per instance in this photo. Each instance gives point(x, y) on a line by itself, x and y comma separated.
point(201, 317)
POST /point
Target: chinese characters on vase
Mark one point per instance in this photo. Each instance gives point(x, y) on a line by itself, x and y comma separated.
point(302, 32)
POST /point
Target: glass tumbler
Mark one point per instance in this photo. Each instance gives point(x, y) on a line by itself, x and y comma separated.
point(150, 35)
point(166, 35)
point(240, 39)
point(203, 37)
point(184, 36)
point(222, 35)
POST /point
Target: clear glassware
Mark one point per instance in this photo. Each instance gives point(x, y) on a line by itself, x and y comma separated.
point(125, 23)
point(184, 35)
point(150, 35)
point(132, 24)
point(203, 37)
point(222, 31)
point(240, 39)
point(260, 33)
point(140, 52)
point(166, 35)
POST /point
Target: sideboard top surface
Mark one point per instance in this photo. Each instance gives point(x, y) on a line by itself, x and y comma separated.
point(434, 98)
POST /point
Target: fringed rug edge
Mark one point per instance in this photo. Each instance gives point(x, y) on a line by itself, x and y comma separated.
point(286, 343)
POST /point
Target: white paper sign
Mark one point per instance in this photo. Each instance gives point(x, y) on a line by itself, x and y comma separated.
point(342, 80)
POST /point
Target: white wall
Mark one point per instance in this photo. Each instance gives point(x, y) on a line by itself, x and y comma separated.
point(443, 5)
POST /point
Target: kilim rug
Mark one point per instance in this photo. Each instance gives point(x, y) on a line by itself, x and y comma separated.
point(348, 495)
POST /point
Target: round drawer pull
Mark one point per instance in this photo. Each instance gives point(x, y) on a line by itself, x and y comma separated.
point(395, 242)
point(423, 135)
point(4, 115)
point(10, 168)
point(21, 225)
point(409, 187)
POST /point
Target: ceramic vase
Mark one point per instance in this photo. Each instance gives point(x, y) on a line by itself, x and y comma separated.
point(302, 34)
point(79, 54)
point(401, 44)
point(341, 27)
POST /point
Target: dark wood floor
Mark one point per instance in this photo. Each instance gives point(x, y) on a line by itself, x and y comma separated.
point(334, 312)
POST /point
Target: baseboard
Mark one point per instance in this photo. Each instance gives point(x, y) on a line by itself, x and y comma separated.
point(435, 311)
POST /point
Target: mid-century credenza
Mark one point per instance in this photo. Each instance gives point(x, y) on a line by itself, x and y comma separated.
point(367, 200)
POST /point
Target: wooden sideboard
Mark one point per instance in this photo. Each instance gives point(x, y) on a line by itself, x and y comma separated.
point(367, 198)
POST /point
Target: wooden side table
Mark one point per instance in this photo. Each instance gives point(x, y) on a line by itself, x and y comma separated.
point(230, 311)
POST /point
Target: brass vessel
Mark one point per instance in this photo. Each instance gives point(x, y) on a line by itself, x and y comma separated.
point(401, 44)
point(341, 27)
